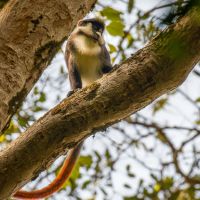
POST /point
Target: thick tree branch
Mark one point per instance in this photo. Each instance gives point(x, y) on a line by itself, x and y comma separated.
point(31, 33)
point(156, 69)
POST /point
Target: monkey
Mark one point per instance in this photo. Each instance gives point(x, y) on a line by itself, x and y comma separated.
point(87, 59)
point(86, 54)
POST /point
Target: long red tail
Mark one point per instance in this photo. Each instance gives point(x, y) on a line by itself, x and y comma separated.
point(57, 183)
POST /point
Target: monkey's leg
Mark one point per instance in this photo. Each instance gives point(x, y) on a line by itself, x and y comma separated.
point(74, 78)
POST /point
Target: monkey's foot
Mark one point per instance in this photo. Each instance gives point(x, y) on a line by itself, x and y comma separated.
point(106, 69)
point(72, 92)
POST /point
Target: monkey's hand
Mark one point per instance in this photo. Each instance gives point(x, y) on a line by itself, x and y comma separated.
point(100, 39)
point(72, 92)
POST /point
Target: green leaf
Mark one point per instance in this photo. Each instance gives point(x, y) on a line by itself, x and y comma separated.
point(130, 5)
point(198, 100)
point(161, 137)
point(111, 14)
point(97, 168)
point(107, 154)
point(35, 91)
point(197, 122)
point(130, 198)
point(13, 128)
point(2, 138)
point(112, 48)
point(167, 183)
point(86, 183)
point(127, 186)
point(157, 187)
point(116, 28)
point(98, 156)
point(130, 40)
point(22, 122)
point(42, 97)
point(113, 59)
point(131, 175)
point(37, 109)
point(85, 161)
point(159, 105)
point(144, 16)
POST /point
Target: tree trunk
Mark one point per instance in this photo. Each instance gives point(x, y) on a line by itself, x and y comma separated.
point(31, 32)
point(154, 70)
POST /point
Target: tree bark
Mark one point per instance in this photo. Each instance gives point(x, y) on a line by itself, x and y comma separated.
point(156, 69)
point(31, 32)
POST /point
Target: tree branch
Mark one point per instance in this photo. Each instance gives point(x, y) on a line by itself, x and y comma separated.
point(154, 70)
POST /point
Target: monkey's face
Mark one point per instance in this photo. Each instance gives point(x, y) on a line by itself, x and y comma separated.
point(94, 26)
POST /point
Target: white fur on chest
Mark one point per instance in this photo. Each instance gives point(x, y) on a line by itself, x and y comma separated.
point(88, 59)
point(87, 56)
point(89, 67)
point(86, 45)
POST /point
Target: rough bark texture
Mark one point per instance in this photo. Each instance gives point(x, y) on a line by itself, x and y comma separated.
point(154, 70)
point(30, 34)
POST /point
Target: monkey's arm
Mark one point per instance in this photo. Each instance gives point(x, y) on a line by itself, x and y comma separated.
point(106, 65)
point(58, 182)
point(74, 76)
